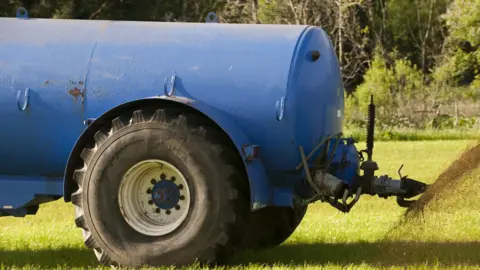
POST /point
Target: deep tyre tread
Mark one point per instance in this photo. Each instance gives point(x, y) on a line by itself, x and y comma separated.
point(89, 241)
point(214, 227)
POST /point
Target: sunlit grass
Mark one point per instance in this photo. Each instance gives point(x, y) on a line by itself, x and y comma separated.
point(367, 238)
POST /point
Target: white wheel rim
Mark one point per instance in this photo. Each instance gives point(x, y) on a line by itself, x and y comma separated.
point(154, 209)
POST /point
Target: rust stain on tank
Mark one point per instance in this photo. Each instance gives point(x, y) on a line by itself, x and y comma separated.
point(46, 82)
point(75, 92)
point(81, 83)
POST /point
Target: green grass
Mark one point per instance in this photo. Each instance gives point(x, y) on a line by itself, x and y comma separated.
point(415, 134)
point(366, 238)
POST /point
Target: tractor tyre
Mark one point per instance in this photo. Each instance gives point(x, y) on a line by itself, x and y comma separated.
point(271, 226)
point(155, 190)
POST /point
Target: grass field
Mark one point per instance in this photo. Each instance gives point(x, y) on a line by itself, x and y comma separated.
point(367, 238)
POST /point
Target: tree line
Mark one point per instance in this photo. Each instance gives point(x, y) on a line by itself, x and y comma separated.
point(420, 58)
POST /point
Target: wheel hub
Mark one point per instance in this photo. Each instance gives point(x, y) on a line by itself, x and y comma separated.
point(165, 194)
point(154, 197)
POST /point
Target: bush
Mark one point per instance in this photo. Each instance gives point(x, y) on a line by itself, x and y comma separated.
point(397, 88)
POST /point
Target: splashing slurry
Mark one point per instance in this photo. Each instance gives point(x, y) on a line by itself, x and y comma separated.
point(443, 226)
point(449, 182)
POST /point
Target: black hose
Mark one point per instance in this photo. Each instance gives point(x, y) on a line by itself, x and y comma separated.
point(370, 128)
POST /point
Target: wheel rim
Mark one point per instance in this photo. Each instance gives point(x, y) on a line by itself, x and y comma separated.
point(154, 197)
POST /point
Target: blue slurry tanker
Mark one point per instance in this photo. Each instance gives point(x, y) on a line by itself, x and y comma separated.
point(178, 142)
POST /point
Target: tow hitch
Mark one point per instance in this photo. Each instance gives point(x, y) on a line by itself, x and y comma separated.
point(332, 189)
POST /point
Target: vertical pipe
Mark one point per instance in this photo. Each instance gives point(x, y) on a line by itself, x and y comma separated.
point(370, 128)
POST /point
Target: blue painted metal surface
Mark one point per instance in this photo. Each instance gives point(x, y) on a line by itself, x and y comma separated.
point(275, 86)
point(345, 163)
point(18, 190)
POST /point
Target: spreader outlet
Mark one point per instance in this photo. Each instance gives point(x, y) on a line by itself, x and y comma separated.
point(333, 180)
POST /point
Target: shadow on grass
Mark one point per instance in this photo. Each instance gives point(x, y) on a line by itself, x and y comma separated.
point(48, 258)
point(382, 254)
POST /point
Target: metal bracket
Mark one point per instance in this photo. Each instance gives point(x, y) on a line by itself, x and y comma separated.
point(89, 121)
point(22, 13)
point(250, 152)
point(25, 101)
point(169, 85)
point(400, 173)
point(211, 18)
point(350, 205)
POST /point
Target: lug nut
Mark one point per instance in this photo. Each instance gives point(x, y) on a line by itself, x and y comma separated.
point(182, 197)
point(157, 210)
point(162, 176)
point(180, 186)
point(168, 212)
point(177, 207)
point(149, 190)
point(150, 202)
point(153, 181)
point(173, 179)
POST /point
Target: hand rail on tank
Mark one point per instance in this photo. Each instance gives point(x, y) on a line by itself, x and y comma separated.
point(22, 13)
point(211, 17)
point(24, 106)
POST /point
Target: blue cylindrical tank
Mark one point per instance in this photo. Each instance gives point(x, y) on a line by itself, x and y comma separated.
point(76, 70)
